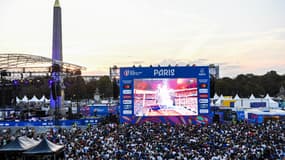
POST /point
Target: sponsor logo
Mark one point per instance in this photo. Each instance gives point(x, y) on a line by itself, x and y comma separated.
point(203, 85)
point(127, 106)
point(204, 111)
point(127, 86)
point(127, 111)
point(203, 91)
point(127, 91)
point(164, 72)
point(126, 73)
point(203, 106)
point(127, 101)
point(131, 73)
point(127, 96)
point(203, 80)
point(127, 81)
point(203, 95)
point(203, 101)
point(202, 72)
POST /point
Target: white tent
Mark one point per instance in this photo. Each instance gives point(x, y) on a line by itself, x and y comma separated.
point(273, 104)
point(267, 97)
point(251, 96)
point(222, 97)
point(270, 102)
point(244, 102)
point(18, 100)
point(25, 99)
point(236, 97)
point(34, 99)
point(219, 100)
point(44, 99)
point(216, 96)
point(212, 103)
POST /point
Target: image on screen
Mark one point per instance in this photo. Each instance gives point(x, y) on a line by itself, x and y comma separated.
point(165, 97)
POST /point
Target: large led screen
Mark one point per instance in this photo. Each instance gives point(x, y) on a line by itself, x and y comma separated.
point(165, 97)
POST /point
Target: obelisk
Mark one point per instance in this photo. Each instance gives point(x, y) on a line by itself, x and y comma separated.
point(57, 34)
point(56, 86)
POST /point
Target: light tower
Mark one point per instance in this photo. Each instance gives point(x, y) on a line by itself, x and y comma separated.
point(56, 85)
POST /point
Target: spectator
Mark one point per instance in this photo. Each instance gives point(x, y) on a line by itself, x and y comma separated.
point(163, 141)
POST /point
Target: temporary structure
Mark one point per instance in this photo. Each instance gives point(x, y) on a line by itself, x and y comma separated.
point(216, 96)
point(17, 147)
point(236, 97)
point(18, 100)
point(271, 103)
point(25, 99)
point(45, 147)
point(34, 99)
point(251, 96)
point(44, 99)
point(19, 144)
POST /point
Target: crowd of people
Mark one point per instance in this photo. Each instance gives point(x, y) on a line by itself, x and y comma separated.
point(164, 141)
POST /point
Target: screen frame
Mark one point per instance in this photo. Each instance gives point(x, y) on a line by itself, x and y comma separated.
point(129, 74)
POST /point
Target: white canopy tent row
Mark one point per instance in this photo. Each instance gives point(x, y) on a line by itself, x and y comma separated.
point(33, 99)
point(246, 102)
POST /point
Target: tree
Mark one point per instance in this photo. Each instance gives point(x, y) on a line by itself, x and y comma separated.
point(212, 86)
point(116, 89)
point(38, 87)
point(91, 89)
point(271, 82)
point(105, 87)
point(75, 88)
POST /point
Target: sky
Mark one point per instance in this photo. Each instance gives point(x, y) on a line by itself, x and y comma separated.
point(241, 36)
